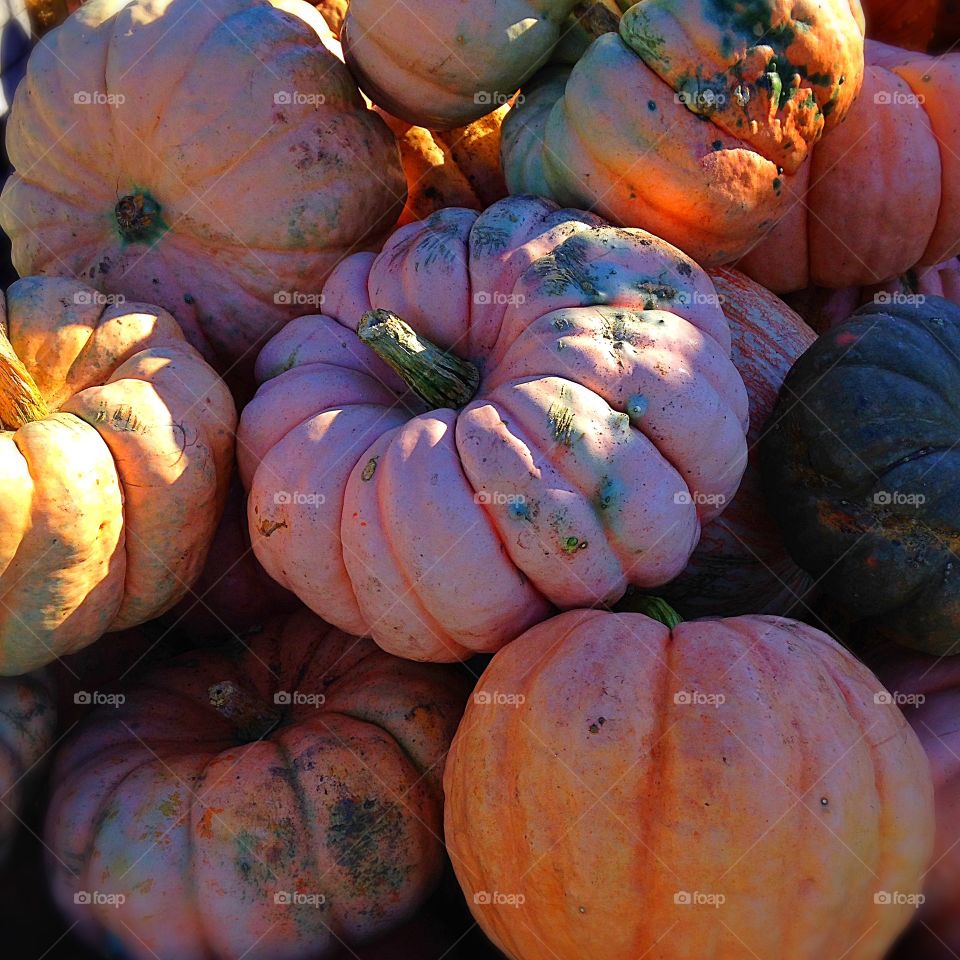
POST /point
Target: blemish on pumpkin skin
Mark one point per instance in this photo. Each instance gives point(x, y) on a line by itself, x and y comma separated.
point(205, 823)
point(369, 469)
point(269, 527)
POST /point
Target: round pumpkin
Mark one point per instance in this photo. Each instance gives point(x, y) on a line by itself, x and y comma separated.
point(115, 455)
point(275, 799)
point(860, 463)
point(725, 788)
point(882, 194)
point(220, 168)
point(917, 25)
point(565, 416)
point(741, 564)
point(28, 724)
point(927, 689)
point(694, 119)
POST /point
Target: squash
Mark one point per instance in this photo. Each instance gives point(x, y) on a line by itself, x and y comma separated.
point(927, 690)
point(115, 454)
point(28, 724)
point(724, 788)
point(882, 194)
point(276, 800)
point(741, 564)
point(206, 172)
point(860, 464)
point(499, 414)
point(932, 25)
point(707, 106)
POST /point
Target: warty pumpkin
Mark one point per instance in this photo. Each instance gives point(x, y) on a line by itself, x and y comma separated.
point(882, 194)
point(565, 417)
point(276, 800)
point(741, 564)
point(860, 464)
point(28, 724)
point(693, 120)
point(738, 783)
point(219, 168)
point(115, 455)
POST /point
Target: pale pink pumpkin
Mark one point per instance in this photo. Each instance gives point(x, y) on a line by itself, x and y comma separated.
point(604, 425)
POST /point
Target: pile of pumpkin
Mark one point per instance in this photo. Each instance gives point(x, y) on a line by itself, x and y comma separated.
point(408, 463)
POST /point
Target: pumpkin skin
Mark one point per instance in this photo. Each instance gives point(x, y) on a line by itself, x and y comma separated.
point(741, 563)
point(342, 800)
point(711, 188)
point(919, 25)
point(475, 59)
point(858, 220)
point(28, 724)
point(563, 497)
point(241, 214)
point(113, 494)
point(861, 473)
point(588, 767)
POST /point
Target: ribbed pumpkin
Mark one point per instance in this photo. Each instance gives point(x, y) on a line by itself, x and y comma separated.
point(735, 782)
point(860, 465)
point(928, 691)
point(741, 564)
point(202, 799)
point(28, 723)
point(694, 120)
point(882, 194)
point(566, 417)
point(115, 458)
point(219, 166)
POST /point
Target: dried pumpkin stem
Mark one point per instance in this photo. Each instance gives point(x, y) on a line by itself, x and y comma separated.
point(438, 377)
point(654, 607)
point(20, 399)
point(46, 14)
point(596, 19)
point(252, 718)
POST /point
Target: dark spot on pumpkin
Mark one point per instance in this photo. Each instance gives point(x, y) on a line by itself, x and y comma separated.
point(269, 527)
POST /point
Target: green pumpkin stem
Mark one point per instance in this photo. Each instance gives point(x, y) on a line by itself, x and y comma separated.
point(595, 19)
point(438, 377)
point(20, 399)
point(252, 718)
point(654, 607)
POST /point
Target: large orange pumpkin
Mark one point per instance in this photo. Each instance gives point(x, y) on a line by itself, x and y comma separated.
point(266, 802)
point(882, 194)
point(219, 166)
point(916, 24)
point(694, 120)
point(565, 418)
point(725, 789)
point(115, 456)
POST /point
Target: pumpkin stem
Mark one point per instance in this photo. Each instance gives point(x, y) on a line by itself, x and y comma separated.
point(138, 217)
point(438, 377)
point(252, 718)
point(596, 19)
point(20, 399)
point(46, 14)
point(656, 608)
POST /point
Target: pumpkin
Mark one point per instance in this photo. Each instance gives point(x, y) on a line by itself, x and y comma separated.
point(823, 308)
point(710, 96)
point(233, 593)
point(440, 65)
point(927, 689)
point(28, 722)
point(499, 414)
point(115, 454)
point(333, 12)
point(917, 25)
point(860, 219)
point(450, 168)
point(860, 468)
point(734, 781)
point(276, 799)
point(264, 168)
point(741, 563)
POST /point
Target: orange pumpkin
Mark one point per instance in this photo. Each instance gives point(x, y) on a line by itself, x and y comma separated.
point(882, 194)
point(273, 800)
point(115, 458)
point(915, 24)
point(739, 784)
point(220, 167)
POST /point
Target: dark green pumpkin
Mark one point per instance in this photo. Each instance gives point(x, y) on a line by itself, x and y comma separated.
point(861, 467)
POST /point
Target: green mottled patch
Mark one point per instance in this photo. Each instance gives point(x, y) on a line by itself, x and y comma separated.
point(122, 418)
point(249, 860)
point(637, 33)
point(561, 423)
point(573, 544)
point(170, 807)
point(608, 494)
point(488, 238)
